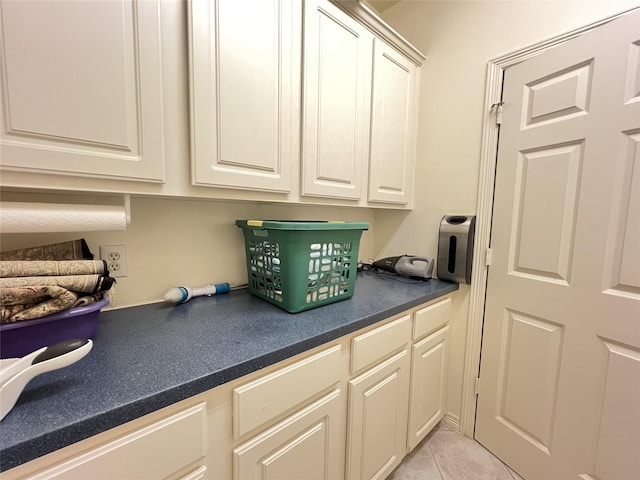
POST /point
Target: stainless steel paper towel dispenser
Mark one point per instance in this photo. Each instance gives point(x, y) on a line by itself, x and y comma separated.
point(455, 248)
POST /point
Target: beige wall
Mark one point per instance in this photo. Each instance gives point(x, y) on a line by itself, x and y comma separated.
point(459, 38)
point(174, 242)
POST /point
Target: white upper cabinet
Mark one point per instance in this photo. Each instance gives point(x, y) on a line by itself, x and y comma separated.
point(95, 97)
point(393, 126)
point(360, 106)
point(245, 92)
point(81, 89)
point(337, 102)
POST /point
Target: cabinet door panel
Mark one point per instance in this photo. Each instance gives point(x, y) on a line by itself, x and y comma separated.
point(81, 88)
point(392, 126)
point(428, 383)
point(432, 318)
point(271, 395)
point(374, 345)
point(198, 474)
point(244, 92)
point(181, 438)
point(303, 446)
point(378, 403)
point(337, 95)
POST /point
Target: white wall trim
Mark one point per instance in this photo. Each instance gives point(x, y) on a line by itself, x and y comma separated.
point(479, 271)
point(488, 158)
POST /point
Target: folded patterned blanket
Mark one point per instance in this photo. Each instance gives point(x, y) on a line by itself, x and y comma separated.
point(28, 303)
point(22, 268)
point(77, 283)
point(71, 250)
point(33, 284)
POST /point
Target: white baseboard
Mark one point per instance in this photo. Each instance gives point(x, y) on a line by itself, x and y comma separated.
point(452, 422)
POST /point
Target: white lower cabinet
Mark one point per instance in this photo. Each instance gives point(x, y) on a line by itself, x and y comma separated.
point(303, 446)
point(308, 442)
point(350, 409)
point(265, 398)
point(378, 401)
point(198, 474)
point(427, 385)
point(429, 359)
point(181, 438)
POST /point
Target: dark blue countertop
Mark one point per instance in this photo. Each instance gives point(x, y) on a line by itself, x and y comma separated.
point(148, 357)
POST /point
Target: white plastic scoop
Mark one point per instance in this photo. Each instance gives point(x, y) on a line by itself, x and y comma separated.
point(15, 373)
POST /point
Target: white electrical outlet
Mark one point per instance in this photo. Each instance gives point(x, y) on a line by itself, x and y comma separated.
point(116, 258)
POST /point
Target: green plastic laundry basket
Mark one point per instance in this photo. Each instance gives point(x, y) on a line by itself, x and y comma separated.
point(300, 265)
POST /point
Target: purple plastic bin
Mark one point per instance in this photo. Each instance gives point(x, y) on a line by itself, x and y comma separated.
point(20, 338)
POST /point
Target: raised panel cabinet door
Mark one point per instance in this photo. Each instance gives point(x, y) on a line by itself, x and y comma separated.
point(428, 382)
point(377, 427)
point(81, 89)
point(269, 396)
point(245, 92)
point(337, 102)
point(393, 126)
point(155, 451)
point(307, 445)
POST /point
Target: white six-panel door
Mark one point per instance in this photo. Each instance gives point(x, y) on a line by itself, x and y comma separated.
point(559, 392)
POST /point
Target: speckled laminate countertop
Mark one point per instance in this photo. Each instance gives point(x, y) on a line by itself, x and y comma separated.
point(148, 357)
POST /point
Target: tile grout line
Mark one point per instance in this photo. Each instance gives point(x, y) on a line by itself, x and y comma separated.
point(435, 460)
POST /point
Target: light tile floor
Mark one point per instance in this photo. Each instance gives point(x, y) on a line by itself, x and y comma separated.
point(447, 455)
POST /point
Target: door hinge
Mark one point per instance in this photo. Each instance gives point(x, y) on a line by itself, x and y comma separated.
point(498, 108)
point(477, 385)
point(488, 257)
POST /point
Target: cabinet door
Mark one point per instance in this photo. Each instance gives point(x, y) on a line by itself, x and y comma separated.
point(393, 126)
point(181, 438)
point(337, 100)
point(245, 90)
point(378, 404)
point(428, 381)
point(269, 396)
point(305, 446)
point(81, 89)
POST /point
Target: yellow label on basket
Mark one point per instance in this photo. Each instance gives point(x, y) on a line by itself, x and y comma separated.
point(336, 221)
point(254, 223)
